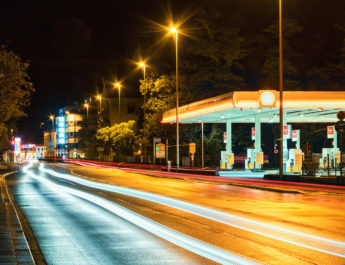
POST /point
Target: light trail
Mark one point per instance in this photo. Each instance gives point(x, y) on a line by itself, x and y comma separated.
point(321, 244)
point(256, 182)
point(196, 246)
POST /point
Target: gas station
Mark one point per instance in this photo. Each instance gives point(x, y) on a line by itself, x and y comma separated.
point(257, 107)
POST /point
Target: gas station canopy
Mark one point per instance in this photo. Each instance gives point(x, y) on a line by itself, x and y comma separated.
point(244, 106)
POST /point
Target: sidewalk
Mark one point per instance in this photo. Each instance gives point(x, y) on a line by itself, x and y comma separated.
point(13, 246)
point(6, 248)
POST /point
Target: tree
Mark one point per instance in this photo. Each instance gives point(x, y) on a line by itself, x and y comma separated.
point(160, 95)
point(214, 54)
point(15, 91)
point(291, 28)
point(120, 138)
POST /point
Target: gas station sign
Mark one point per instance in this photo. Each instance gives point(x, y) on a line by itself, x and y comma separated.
point(253, 133)
point(294, 136)
point(225, 134)
point(330, 132)
point(287, 131)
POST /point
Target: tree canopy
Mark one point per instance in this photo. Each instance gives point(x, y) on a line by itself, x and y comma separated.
point(15, 91)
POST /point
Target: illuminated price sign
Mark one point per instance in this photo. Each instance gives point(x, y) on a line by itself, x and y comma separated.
point(253, 133)
point(287, 131)
point(330, 132)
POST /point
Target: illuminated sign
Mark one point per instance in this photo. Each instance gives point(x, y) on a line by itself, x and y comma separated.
point(330, 132)
point(287, 131)
point(192, 148)
point(17, 145)
point(61, 130)
point(224, 136)
point(267, 98)
point(295, 135)
point(160, 150)
point(253, 133)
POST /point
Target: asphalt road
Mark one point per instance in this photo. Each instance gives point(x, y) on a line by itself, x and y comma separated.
point(68, 228)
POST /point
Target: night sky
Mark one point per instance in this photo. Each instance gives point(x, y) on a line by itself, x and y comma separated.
point(73, 45)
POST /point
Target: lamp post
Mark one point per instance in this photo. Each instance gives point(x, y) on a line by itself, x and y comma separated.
point(281, 92)
point(86, 105)
point(99, 98)
point(143, 66)
point(118, 85)
point(174, 30)
point(52, 119)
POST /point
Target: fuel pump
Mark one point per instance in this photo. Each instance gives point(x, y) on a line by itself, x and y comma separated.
point(295, 159)
point(330, 156)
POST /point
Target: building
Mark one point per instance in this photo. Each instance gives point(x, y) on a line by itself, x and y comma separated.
point(49, 142)
point(67, 127)
point(32, 151)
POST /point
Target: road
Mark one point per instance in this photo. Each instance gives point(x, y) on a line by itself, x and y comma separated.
point(264, 226)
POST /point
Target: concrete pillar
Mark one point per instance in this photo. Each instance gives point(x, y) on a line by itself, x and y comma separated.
point(257, 134)
point(229, 136)
point(285, 145)
point(335, 140)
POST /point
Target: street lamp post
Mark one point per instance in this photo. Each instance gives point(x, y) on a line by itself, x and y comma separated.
point(143, 66)
point(52, 119)
point(281, 91)
point(99, 98)
point(118, 85)
point(174, 30)
point(86, 105)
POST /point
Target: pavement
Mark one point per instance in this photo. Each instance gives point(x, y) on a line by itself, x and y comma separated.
point(14, 248)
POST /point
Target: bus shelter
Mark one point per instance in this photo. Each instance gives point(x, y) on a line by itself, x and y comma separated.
point(263, 107)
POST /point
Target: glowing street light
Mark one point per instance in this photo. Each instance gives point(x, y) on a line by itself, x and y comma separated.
point(175, 31)
point(86, 105)
point(143, 66)
point(118, 85)
point(51, 117)
point(99, 98)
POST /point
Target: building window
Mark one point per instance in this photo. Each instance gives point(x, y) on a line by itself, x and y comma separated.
point(71, 134)
point(130, 109)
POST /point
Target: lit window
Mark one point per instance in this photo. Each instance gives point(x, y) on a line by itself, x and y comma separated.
point(61, 141)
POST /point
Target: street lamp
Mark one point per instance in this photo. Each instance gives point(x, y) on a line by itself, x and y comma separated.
point(99, 97)
point(143, 66)
point(52, 119)
point(118, 85)
point(86, 105)
point(175, 31)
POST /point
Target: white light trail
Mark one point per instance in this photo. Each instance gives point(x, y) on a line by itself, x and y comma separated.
point(196, 246)
point(321, 244)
